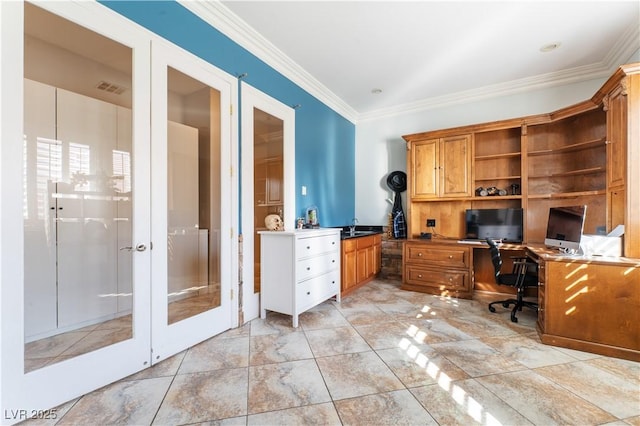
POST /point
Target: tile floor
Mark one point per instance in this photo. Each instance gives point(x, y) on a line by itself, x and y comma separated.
point(382, 356)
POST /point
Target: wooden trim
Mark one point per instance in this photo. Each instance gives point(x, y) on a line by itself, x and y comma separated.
point(581, 345)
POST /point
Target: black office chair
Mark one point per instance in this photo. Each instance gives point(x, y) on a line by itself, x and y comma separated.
point(523, 275)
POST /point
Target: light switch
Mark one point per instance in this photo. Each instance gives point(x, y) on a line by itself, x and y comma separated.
point(304, 190)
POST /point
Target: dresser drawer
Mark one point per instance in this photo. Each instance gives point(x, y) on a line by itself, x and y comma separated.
point(438, 279)
point(311, 292)
point(451, 257)
point(312, 266)
point(312, 246)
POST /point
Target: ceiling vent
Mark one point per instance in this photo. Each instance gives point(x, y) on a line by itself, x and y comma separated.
point(110, 87)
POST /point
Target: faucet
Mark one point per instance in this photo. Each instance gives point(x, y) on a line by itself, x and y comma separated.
point(352, 227)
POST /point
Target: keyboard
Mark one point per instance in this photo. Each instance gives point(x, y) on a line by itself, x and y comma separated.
point(477, 242)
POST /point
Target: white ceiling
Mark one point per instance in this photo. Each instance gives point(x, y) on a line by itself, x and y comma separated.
point(421, 53)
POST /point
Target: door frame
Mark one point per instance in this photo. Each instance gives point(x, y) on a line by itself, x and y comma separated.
point(251, 98)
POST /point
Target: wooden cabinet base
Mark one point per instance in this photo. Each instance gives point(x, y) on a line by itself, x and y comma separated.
point(443, 268)
point(361, 261)
point(596, 348)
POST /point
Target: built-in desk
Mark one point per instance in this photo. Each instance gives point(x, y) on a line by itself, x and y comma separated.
point(588, 303)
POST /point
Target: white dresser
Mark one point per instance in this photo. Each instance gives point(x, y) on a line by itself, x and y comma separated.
point(299, 270)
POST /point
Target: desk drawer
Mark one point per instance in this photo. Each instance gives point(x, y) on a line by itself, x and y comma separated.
point(442, 280)
point(451, 257)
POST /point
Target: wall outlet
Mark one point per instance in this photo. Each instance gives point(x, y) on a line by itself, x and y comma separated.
point(431, 223)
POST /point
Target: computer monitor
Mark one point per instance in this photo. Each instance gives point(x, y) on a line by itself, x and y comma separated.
point(498, 224)
point(564, 228)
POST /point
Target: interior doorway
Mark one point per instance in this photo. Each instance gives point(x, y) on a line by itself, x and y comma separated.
point(268, 180)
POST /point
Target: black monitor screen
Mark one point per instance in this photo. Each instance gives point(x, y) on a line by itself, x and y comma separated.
point(565, 225)
point(497, 224)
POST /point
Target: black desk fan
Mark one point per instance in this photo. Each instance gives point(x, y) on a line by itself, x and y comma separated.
point(397, 182)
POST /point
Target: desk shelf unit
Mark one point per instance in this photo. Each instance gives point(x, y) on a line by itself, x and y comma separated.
point(563, 158)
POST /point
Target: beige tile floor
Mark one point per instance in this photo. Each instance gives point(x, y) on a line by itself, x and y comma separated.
point(383, 356)
point(60, 347)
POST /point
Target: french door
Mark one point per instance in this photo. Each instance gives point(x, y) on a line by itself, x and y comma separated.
point(192, 202)
point(117, 202)
point(268, 180)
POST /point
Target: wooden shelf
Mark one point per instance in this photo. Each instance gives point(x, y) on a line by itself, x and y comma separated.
point(497, 178)
point(596, 143)
point(497, 197)
point(567, 194)
point(496, 156)
point(581, 172)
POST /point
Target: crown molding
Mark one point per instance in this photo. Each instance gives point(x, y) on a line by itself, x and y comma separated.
point(224, 20)
point(619, 54)
point(228, 23)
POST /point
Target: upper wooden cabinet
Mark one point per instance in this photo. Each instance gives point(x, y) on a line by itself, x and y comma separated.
point(442, 167)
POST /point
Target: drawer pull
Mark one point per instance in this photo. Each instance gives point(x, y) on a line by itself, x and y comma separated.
point(308, 268)
point(308, 293)
point(420, 254)
point(450, 256)
point(308, 247)
point(333, 261)
point(419, 275)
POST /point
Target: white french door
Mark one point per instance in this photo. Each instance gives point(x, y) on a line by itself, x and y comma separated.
point(76, 203)
point(268, 139)
point(192, 201)
point(118, 202)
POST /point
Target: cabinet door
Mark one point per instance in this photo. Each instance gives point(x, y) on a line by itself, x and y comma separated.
point(616, 203)
point(455, 166)
point(274, 182)
point(616, 138)
point(361, 265)
point(349, 272)
point(424, 168)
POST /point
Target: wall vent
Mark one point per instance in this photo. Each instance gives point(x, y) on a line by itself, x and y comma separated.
point(110, 87)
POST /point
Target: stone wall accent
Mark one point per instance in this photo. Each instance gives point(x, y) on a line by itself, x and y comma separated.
point(391, 258)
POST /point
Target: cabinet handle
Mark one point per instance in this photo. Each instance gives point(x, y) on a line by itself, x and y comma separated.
point(333, 261)
point(420, 254)
point(419, 275)
point(308, 247)
point(450, 256)
point(308, 268)
point(308, 293)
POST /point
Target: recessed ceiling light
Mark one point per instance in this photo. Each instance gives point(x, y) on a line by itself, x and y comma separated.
point(376, 91)
point(549, 47)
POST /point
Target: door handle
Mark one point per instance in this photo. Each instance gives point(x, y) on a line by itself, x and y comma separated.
point(139, 247)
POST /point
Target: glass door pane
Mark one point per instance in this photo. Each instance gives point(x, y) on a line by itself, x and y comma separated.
point(78, 196)
point(193, 197)
point(268, 174)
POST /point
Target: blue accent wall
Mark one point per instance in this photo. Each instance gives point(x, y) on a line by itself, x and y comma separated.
point(325, 141)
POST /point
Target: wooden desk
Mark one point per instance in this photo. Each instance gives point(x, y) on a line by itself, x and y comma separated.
point(587, 303)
